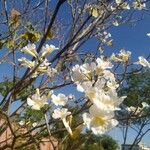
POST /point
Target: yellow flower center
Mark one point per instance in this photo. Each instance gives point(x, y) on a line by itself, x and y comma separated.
point(98, 121)
point(99, 71)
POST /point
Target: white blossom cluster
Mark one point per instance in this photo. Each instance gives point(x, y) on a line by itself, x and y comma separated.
point(99, 85)
point(39, 58)
point(105, 37)
point(122, 56)
point(38, 101)
point(142, 61)
point(137, 4)
point(138, 110)
point(95, 79)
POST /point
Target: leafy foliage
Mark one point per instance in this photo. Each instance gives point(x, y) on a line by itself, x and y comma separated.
point(100, 143)
point(137, 89)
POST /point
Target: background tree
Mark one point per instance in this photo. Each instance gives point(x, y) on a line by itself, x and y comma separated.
point(137, 89)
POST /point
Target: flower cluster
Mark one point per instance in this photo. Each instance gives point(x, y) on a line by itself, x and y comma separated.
point(122, 4)
point(105, 38)
point(37, 101)
point(40, 59)
point(123, 56)
point(117, 21)
point(142, 61)
point(100, 87)
point(60, 112)
point(95, 79)
point(138, 4)
point(138, 110)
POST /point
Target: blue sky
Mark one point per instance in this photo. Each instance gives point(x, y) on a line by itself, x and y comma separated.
point(133, 38)
point(130, 38)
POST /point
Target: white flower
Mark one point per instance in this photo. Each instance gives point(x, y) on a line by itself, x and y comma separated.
point(135, 110)
point(114, 97)
point(77, 75)
point(30, 49)
point(116, 23)
point(105, 98)
point(139, 5)
point(91, 93)
point(112, 8)
point(145, 105)
point(100, 88)
point(107, 35)
point(118, 2)
point(142, 61)
point(98, 130)
point(102, 65)
point(71, 97)
point(34, 75)
point(43, 66)
point(123, 56)
point(62, 113)
point(84, 86)
point(98, 122)
point(34, 124)
point(60, 99)
point(85, 75)
point(26, 63)
point(125, 6)
point(83, 72)
point(22, 122)
point(48, 49)
point(107, 80)
point(108, 102)
point(114, 58)
point(37, 101)
point(51, 72)
point(108, 75)
point(88, 68)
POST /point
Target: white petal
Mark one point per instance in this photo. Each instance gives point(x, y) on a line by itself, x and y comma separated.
point(36, 107)
point(87, 119)
point(80, 88)
point(30, 102)
point(67, 126)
